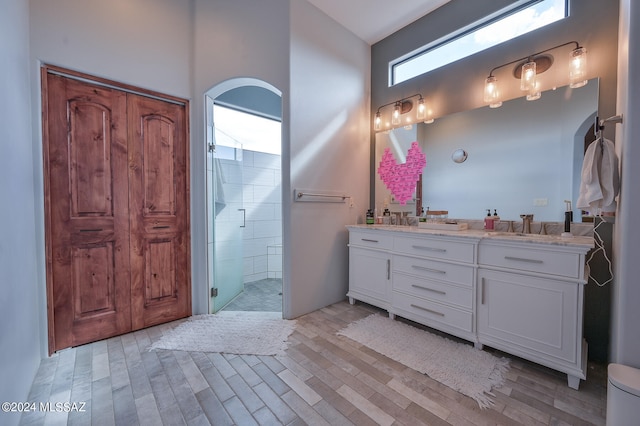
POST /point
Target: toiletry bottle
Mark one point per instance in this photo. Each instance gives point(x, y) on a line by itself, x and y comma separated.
point(488, 221)
point(496, 219)
point(370, 218)
point(568, 218)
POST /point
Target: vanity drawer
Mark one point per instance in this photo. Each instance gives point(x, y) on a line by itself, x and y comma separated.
point(434, 269)
point(531, 259)
point(379, 240)
point(434, 290)
point(427, 312)
point(436, 248)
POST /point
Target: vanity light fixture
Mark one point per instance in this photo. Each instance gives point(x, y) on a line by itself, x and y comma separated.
point(529, 67)
point(398, 117)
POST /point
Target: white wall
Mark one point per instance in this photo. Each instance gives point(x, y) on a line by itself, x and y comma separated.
point(19, 314)
point(232, 39)
point(322, 71)
point(187, 48)
point(146, 43)
point(329, 152)
point(625, 333)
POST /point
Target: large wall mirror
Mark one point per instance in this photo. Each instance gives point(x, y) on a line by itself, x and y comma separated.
point(524, 157)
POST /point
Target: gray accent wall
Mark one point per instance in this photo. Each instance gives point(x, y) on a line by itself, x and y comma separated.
point(596, 24)
point(21, 319)
point(459, 86)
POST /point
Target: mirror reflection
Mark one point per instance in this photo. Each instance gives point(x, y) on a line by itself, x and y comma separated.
point(522, 158)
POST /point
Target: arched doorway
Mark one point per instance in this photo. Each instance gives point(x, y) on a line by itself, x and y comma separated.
point(244, 196)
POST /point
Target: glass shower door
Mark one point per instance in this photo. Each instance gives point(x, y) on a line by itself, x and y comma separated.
point(226, 216)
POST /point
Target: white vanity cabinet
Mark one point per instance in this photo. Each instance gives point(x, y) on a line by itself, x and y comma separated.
point(433, 282)
point(530, 302)
point(370, 267)
point(522, 294)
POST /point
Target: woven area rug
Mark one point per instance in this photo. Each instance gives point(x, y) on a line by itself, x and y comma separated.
point(242, 333)
point(461, 367)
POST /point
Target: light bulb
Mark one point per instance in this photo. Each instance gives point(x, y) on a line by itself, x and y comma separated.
point(528, 77)
point(421, 114)
point(377, 121)
point(491, 92)
point(395, 117)
point(578, 68)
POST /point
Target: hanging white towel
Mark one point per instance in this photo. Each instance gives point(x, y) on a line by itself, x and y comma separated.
point(600, 178)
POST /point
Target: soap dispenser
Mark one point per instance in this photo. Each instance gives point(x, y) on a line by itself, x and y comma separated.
point(488, 221)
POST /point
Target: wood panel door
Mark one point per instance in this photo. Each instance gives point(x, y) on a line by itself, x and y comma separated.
point(159, 200)
point(87, 205)
point(117, 210)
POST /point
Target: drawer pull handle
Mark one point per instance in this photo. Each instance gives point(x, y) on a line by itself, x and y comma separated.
point(427, 310)
point(422, 268)
point(388, 269)
point(161, 227)
point(91, 230)
point(439, 250)
point(369, 241)
point(482, 291)
point(522, 259)
point(429, 289)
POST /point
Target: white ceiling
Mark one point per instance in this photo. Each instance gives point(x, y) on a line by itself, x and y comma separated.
point(373, 20)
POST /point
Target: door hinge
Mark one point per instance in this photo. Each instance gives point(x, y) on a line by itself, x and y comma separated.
point(214, 292)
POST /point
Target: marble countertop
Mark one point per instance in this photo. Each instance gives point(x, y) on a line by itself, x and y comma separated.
point(579, 241)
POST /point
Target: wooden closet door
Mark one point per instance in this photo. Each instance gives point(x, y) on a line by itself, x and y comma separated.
point(87, 220)
point(159, 203)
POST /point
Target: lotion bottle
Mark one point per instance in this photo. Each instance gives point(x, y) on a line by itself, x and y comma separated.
point(488, 221)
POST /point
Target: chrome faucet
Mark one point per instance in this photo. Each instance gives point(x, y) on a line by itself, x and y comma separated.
point(526, 223)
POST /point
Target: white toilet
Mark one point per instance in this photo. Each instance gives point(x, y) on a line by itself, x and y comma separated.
point(623, 396)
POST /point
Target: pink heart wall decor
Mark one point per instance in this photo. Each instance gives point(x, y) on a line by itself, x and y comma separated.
point(401, 179)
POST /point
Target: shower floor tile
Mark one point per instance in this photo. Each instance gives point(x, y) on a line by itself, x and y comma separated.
point(261, 295)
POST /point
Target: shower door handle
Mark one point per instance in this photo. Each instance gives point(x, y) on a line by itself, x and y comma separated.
point(244, 218)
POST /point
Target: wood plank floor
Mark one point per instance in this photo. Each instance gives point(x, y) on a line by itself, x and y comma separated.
point(323, 380)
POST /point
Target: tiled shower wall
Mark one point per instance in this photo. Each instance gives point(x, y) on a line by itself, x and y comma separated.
point(262, 200)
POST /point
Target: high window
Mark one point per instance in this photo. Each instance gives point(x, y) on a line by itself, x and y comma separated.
point(506, 24)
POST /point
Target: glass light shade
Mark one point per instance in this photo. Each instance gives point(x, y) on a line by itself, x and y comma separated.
point(528, 77)
point(534, 95)
point(578, 68)
point(377, 121)
point(421, 114)
point(395, 117)
point(491, 92)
